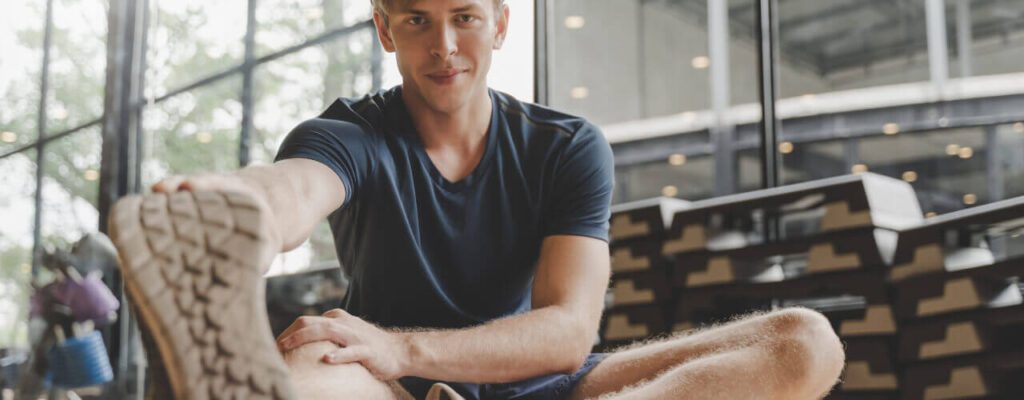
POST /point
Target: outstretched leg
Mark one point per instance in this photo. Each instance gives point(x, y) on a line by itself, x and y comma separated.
point(787, 354)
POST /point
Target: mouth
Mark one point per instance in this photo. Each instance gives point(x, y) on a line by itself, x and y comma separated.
point(446, 76)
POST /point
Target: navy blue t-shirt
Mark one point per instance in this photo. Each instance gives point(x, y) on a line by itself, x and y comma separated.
point(422, 251)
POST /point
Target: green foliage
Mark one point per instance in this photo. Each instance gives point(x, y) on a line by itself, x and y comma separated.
point(194, 132)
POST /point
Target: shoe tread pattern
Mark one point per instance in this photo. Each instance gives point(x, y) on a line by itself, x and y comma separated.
point(191, 268)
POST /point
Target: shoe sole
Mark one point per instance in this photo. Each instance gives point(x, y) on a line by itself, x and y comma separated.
point(191, 268)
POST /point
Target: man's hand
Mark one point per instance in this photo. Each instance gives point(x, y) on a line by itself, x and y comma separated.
point(385, 354)
point(295, 193)
point(208, 182)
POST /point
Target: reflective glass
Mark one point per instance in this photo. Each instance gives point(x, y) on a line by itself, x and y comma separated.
point(17, 206)
point(192, 39)
point(71, 188)
point(283, 23)
point(194, 132)
point(78, 64)
point(299, 86)
point(21, 43)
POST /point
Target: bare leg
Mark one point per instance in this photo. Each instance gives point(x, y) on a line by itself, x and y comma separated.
point(315, 380)
point(789, 354)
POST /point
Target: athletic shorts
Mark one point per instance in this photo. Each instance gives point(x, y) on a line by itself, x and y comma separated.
point(547, 387)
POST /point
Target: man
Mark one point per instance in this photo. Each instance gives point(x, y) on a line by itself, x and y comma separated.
point(474, 229)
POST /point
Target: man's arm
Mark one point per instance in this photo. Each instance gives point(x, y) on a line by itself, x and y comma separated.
point(555, 337)
point(297, 193)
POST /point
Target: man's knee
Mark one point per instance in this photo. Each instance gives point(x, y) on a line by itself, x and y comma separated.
point(314, 379)
point(808, 347)
point(308, 354)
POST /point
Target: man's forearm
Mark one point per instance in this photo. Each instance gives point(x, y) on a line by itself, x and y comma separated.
point(543, 341)
point(291, 221)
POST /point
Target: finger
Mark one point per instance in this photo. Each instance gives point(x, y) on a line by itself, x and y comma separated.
point(341, 315)
point(299, 323)
point(167, 185)
point(200, 183)
point(304, 335)
point(345, 355)
point(335, 333)
point(204, 182)
point(188, 184)
point(336, 313)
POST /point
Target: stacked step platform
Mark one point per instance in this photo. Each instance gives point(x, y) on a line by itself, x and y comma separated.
point(639, 300)
point(827, 245)
point(957, 298)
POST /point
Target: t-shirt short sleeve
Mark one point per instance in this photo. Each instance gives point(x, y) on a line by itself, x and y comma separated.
point(582, 187)
point(346, 148)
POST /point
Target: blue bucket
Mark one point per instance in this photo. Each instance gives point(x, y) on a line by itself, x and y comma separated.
point(80, 361)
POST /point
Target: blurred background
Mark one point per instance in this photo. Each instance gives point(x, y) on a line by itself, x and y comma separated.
point(101, 98)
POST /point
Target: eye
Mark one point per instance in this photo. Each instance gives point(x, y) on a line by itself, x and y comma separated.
point(417, 20)
point(465, 18)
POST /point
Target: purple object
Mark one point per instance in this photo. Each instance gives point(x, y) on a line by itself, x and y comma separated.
point(88, 299)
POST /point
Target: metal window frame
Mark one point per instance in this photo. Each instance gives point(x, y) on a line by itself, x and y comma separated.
point(40, 144)
point(767, 82)
point(542, 31)
point(248, 74)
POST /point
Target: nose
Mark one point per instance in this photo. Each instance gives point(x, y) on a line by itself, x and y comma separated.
point(444, 44)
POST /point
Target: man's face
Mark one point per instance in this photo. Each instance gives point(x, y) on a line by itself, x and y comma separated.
point(443, 47)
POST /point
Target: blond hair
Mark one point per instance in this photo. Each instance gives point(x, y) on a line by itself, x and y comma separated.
point(382, 6)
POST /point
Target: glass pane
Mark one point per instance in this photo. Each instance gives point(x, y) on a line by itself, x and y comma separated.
point(78, 62)
point(985, 37)
point(284, 23)
point(193, 132)
point(615, 61)
point(827, 46)
point(301, 85)
point(191, 39)
point(810, 161)
point(21, 43)
point(690, 180)
point(749, 167)
point(70, 188)
point(594, 40)
point(1010, 153)
point(900, 121)
point(298, 87)
point(643, 70)
point(17, 206)
point(827, 49)
point(947, 168)
point(512, 67)
point(317, 252)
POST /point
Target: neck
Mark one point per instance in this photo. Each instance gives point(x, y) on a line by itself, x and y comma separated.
point(463, 128)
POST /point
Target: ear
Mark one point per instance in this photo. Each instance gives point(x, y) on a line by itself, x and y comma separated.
point(383, 32)
point(502, 27)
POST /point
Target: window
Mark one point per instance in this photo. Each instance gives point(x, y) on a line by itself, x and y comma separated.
point(17, 205)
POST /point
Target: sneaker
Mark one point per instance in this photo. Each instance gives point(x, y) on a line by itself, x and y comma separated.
point(193, 266)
